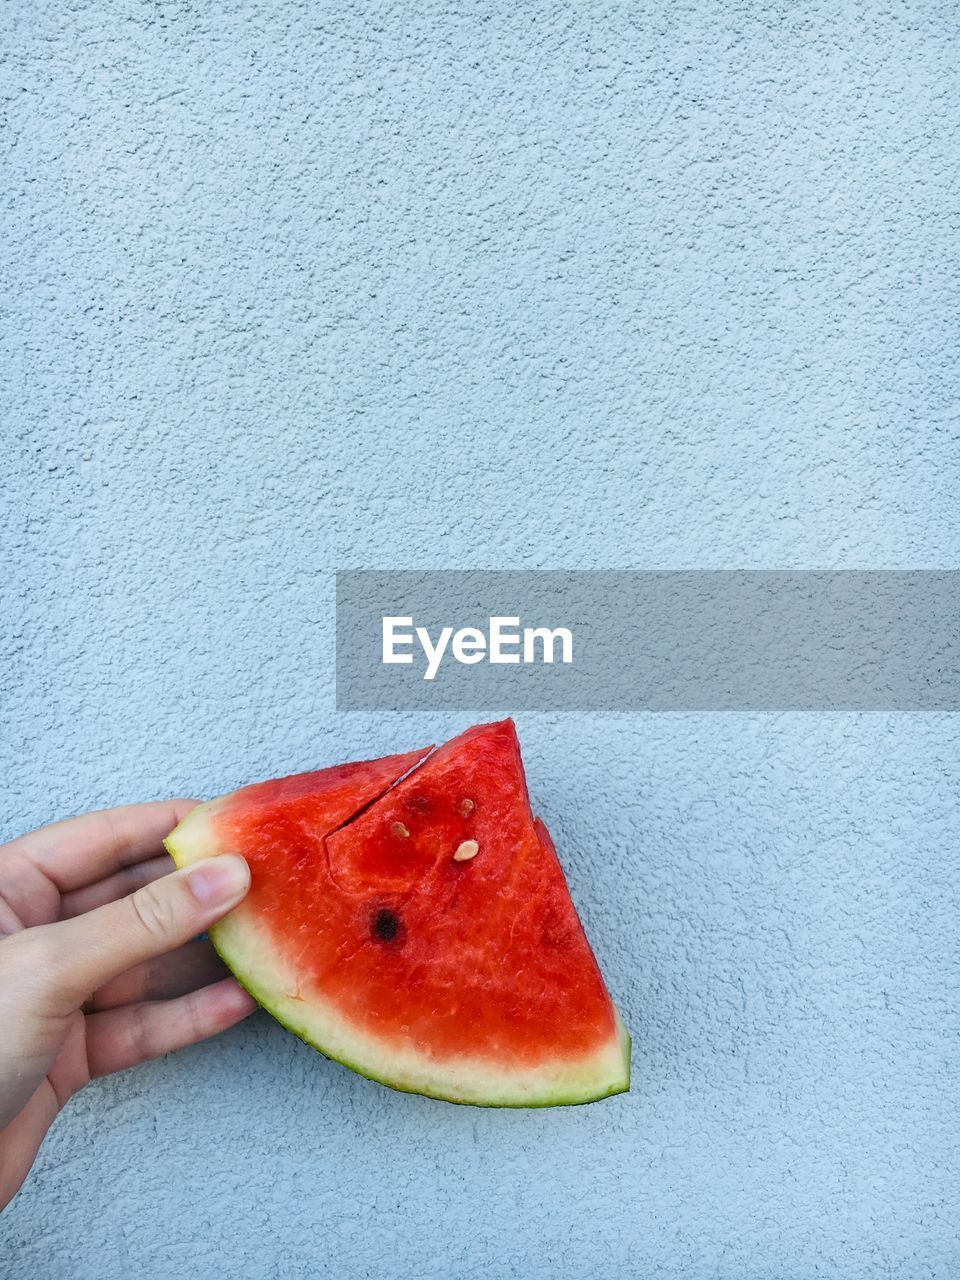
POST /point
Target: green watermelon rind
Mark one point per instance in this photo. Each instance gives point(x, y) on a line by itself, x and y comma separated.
point(546, 1101)
point(196, 838)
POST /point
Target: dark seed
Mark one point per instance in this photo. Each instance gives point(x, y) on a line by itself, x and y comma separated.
point(386, 926)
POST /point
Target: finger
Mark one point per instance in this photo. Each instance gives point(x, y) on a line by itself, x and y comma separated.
point(10, 922)
point(70, 959)
point(80, 851)
point(194, 965)
point(20, 1140)
point(121, 1038)
point(113, 887)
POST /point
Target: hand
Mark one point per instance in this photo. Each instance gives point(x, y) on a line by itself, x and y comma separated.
point(68, 930)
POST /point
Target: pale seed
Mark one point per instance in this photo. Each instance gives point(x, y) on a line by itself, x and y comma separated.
point(398, 829)
point(464, 852)
point(466, 806)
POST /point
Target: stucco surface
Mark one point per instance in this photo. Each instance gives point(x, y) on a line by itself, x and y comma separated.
point(291, 287)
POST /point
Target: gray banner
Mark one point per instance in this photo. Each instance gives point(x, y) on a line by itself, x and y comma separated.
point(693, 640)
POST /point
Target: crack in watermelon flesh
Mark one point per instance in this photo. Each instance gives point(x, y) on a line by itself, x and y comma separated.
point(469, 979)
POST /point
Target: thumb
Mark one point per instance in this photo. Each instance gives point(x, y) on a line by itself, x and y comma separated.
point(77, 956)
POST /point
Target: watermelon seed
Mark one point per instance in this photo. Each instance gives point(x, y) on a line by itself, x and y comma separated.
point(464, 852)
point(398, 829)
point(466, 807)
point(386, 925)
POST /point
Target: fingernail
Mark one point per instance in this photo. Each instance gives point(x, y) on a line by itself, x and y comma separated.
point(220, 881)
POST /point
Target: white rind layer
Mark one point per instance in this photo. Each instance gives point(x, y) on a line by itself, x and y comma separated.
point(272, 981)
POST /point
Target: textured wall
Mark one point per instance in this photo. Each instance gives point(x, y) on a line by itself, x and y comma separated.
point(292, 286)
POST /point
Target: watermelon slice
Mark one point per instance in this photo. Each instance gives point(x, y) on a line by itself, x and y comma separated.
point(409, 918)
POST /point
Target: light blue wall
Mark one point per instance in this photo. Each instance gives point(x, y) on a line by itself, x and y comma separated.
point(298, 286)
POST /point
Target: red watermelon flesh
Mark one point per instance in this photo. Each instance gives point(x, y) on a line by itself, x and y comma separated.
point(418, 928)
